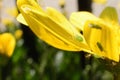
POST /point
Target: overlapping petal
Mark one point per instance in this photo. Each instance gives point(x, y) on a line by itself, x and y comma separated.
point(109, 14)
point(102, 39)
point(104, 34)
point(78, 19)
point(53, 28)
point(100, 35)
point(20, 3)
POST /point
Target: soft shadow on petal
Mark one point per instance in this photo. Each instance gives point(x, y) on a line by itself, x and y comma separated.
point(78, 19)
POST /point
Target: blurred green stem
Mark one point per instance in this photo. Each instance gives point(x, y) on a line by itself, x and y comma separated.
point(116, 76)
point(0, 73)
point(111, 66)
point(43, 62)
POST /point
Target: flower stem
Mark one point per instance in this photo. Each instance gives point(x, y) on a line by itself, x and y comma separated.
point(116, 76)
point(0, 73)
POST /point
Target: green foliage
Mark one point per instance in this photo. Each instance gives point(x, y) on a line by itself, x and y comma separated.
point(33, 59)
point(52, 64)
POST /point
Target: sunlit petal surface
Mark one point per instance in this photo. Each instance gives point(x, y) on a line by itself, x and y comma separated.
point(52, 27)
point(78, 19)
point(100, 35)
point(102, 39)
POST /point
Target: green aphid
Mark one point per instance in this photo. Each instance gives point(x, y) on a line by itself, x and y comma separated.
point(100, 46)
point(94, 26)
point(79, 38)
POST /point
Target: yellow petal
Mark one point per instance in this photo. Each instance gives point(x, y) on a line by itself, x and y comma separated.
point(7, 44)
point(102, 39)
point(33, 3)
point(60, 34)
point(109, 14)
point(22, 3)
point(78, 19)
point(58, 18)
point(21, 19)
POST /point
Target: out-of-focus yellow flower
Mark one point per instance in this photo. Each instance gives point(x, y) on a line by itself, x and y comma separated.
point(100, 1)
point(51, 26)
point(7, 44)
point(62, 3)
point(100, 35)
point(18, 34)
point(6, 21)
point(12, 11)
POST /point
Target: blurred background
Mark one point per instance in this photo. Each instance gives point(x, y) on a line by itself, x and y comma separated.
point(33, 59)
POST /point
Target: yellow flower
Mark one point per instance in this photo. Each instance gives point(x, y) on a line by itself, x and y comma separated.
point(18, 34)
point(12, 11)
point(7, 44)
point(100, 1)
point(6, 21)
point(62, 3)
point(100, 35)
point(51, 26)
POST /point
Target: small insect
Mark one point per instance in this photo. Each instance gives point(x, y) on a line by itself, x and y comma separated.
point(100, 46)
point(94, 26)
point(79, 38)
